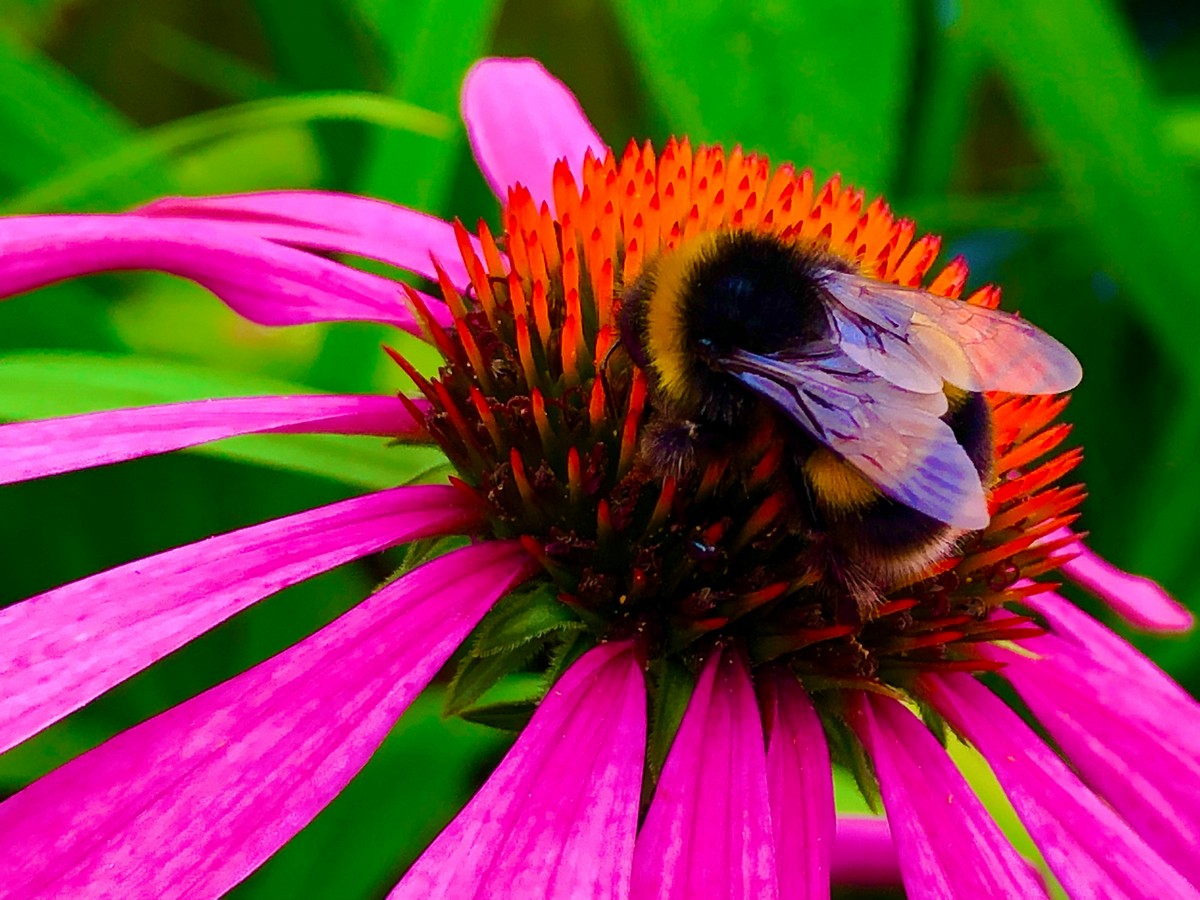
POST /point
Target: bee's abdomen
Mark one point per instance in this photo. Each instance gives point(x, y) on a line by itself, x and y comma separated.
point(889, 539)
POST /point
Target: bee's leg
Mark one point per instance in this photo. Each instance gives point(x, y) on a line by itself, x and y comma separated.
point(669, 446)
point(677, 446)
point(853, 594)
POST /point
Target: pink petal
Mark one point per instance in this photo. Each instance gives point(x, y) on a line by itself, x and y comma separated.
point(69, 645)
point(258, 279)
point(800, 784)
point(1137, 748)
point(1110, 651)
point(338, 223)
point(49, 446)
point(521, 120)
point(864, 854)
point(559, 815)
point(192, 801)
point(948, 844)
point(708, 832)
point(1139, 601)
point(1091, 850)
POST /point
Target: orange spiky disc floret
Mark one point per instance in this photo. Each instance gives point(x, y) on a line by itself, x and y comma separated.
point(545, 423)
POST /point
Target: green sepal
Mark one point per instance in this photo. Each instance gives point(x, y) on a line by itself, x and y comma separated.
point(525, 626)
point(420, 552)
point(476, 675)
point(510, 715)
point(933, 721)
point(671, 687)
point(522, 618)
point(572, 645)
point(846, 750)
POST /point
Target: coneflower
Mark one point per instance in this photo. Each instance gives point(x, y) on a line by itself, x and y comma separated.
point(699, 683)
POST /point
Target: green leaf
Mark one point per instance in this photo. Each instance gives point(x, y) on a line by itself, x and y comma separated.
point(798, 81)
point(1078, 79)
point(318, 45)
point(1181, 130)
point(50, 122)
point(150, 149)
point(36, 385)
point(941, 106)
point(1165, 541)
point(434, 42)
point(523, 617)
point(207, 65)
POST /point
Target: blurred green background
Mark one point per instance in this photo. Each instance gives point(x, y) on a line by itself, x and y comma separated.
point(1056, 144)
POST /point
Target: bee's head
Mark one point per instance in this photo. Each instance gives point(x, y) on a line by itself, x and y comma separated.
point(708, 353)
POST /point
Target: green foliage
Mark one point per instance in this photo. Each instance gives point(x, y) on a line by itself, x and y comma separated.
point(526, 625)
point(1057, 144)
point(673, 684)
point(796, 81)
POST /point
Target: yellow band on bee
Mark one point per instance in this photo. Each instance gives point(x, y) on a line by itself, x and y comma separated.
point(837, 484)
point(666, 330)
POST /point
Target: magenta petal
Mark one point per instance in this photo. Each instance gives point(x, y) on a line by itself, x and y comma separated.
point(800, 784)
point(259, 279)
point(864, 853)
point(708, 832)
point(1138, 600)
point(192, 801)
point(1091, 850)
point(49, 446)
point(339, 223)
point(1139, 749)
point(1130, 670)
point(67, 646)
point(948, 844)
point(559, 815)
point(521, 120)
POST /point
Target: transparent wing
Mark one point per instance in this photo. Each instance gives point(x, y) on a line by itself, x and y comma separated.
point(878, 336)
point(893, 436)
point(885, 327)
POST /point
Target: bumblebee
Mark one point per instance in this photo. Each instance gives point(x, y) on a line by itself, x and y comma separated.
point(875, 389)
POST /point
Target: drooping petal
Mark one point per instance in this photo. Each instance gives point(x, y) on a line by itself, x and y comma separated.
point(192, 801)
point(1091, 850)
point(947, 843)
point(259, 279)
point(864, 854)
point(1139, 749)
point(1138, 600)
point(559, 815)
point(521, 120)
point(338, 223)
point(49, 446)
point(800, 785)
point(708, 832)
point(71, 644)
point(1129, 669)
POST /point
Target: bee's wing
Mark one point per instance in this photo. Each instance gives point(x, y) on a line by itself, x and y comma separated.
point(893, 436)
point(883, 327)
